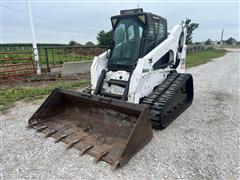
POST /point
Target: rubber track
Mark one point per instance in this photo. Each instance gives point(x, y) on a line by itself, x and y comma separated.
point(162, 100)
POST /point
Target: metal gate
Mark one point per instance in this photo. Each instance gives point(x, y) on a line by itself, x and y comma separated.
point(16, 65)
point(52, 57)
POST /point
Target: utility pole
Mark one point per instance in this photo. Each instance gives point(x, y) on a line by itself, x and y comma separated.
point(221, 42)
point(34, 44)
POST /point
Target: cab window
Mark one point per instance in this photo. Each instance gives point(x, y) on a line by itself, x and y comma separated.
point(157, 33)
point(161, 33)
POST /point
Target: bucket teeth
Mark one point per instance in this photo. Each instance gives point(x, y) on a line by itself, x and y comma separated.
point(32, 124)
point(73, 143)
point(101, 156)
point(41, 128)
point(110, 130)
point(62, 137)
point(50, 133)
point(86, 149)
point(115, 165)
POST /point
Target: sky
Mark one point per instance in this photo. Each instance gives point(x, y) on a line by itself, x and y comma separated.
point(62, 21)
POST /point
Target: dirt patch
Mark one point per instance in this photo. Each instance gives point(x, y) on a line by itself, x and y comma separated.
point(220, 96)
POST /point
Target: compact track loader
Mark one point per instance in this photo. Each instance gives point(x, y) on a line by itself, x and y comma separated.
point(139, 83)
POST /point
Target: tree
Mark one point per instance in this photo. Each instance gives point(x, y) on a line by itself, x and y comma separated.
point(190, 28)
point(208, 42)
point(89, 43)
point(231, 41)
point(72, 43)
point(197, 43)
point(104, 38)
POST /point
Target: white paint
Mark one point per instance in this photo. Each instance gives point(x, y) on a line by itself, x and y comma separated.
point(99, 63)
point(144, 78)
point(143, 83)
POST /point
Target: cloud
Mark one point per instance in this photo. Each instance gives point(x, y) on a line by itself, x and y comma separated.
point(84, 20)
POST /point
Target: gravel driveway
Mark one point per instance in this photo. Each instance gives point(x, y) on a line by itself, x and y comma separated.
point(202, 143)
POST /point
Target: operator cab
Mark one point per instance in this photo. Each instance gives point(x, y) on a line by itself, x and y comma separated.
point(135, 33)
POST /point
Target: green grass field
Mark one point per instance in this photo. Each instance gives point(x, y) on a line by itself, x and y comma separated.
point(202, 57)
point(10, 95)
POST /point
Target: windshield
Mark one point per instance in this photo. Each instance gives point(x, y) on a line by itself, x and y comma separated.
point(127, 39)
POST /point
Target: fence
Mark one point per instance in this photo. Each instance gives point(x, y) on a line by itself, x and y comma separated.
point(51, 57)
point(16, 65)
point(24, 46)
point(198, 48)
point(195, 48)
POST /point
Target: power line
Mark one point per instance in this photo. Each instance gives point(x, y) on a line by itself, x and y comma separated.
point(50, 20)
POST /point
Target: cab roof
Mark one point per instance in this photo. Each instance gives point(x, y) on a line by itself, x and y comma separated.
point(137, 12)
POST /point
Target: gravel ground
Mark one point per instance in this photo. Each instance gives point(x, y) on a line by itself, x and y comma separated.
point(203, 143)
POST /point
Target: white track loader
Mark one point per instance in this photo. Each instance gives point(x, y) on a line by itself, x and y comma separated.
point(139, 83)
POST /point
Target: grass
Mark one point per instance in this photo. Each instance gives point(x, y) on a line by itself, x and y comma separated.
point(202, 57)
point(11, 95)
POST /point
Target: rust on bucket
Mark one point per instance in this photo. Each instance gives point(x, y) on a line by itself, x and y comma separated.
point(108, 129)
